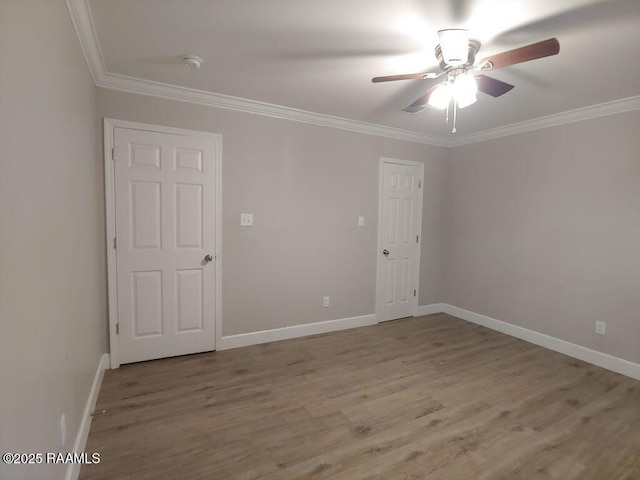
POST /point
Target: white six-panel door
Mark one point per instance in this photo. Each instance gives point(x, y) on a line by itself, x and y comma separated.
point(399, 242)
point(165, 244)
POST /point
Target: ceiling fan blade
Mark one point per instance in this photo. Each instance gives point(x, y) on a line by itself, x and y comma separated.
point(491, 86)
point(419, 104)
point(546, 48)
point(391, 78)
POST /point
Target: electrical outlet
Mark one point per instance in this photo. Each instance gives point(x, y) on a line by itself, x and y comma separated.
point(326, 301)
point(63, 429)
point(600, 327)
point(246, 219)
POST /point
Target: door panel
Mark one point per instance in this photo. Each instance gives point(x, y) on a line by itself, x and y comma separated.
point(186, 160)
point(189, 294)
point(146, 215)
point(188, 216)
point(390, 273)
point(147, 303)
point(165, 226)
point(144, 156)
point(400, 223)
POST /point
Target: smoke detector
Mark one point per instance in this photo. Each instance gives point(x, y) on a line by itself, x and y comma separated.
point(192, 61)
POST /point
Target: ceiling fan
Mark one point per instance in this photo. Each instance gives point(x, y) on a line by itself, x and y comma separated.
point(457, 54)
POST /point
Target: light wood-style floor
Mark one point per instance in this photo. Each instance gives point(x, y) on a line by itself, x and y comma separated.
point(423, 398)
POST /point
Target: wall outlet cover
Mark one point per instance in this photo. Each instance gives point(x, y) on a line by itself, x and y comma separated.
point(246, 219)
point(63, 429)
point(326, 301)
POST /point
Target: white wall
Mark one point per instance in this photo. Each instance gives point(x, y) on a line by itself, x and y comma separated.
point(544, 231)
point(306, 186)
point(52, 265)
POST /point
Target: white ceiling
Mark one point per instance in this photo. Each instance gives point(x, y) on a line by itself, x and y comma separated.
point(320, 55)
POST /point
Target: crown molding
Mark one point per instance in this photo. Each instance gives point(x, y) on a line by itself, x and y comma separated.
point(82, 20)
point(148, 87)
point(85, 30)
point(577, 115)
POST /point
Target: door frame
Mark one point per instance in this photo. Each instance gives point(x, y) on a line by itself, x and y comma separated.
point(110, 218)
point(409, 163)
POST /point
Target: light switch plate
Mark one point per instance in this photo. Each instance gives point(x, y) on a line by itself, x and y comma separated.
point(361, 221)
point(246, 219)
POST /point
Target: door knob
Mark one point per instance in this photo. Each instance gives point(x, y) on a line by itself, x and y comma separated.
point(385, 252)
point(208, 258)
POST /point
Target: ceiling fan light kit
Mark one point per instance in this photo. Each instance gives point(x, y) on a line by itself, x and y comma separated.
point(456, 54)
point(441, 96)
point(464, 90)
point(461, 88)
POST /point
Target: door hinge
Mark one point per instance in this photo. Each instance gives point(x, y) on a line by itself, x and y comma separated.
point(117, 328)
point(414, 292)
point(417, 236)
point(114, 242)
point(113, 154)
point(419, 183)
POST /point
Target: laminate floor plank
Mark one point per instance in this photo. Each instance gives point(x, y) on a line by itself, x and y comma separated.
point(430, 398)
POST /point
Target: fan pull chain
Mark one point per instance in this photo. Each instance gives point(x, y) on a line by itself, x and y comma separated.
point(447, 117)
point(455, 115)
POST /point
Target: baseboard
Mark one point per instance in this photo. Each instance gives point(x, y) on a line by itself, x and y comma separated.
point(430, 309)
point(615, 364)
point(73, 470)
point(296, 331)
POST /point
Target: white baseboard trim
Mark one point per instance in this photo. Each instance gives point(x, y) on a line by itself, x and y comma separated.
point(615, 364)
point(296, 331)
point(430, 309)
point(73, 470)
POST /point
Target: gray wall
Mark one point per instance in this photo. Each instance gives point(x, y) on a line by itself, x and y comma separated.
point(52, 267)
point(543, 231)
point(537, 229)
point(306, 185)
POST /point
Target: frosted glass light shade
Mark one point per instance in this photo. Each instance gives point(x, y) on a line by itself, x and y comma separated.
point(441, 96)
point(464, 90)
point(455, 46)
